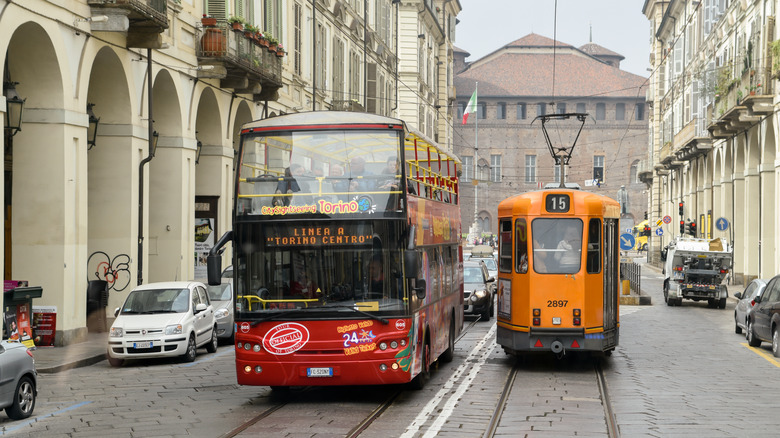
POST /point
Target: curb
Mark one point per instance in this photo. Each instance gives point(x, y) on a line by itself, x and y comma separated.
point(635, 300)
point(75, 364)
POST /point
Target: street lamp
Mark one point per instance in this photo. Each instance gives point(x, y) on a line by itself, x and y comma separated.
point(13, 108)
point(93, 125)
point(197, 151)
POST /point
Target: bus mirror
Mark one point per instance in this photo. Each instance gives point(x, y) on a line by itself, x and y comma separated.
point(411, 263)
point(214, 266)
point(419, 288)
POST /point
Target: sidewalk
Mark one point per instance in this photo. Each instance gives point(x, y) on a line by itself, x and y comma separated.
point(56, 359)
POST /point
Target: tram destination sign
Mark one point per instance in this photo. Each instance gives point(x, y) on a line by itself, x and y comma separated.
point(557, 203)
point(318, 235)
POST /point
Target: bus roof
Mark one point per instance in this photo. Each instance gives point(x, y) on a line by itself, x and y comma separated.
point(315, 119)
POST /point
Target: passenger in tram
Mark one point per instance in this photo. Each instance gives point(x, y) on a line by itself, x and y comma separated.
point(569, 255)
point(539, 257)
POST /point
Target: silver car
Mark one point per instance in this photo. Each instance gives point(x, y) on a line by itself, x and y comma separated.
point(222, 299)
point(18, 380)
point(746, 303)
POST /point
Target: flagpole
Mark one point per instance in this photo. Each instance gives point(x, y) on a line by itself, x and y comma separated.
point(476, 158)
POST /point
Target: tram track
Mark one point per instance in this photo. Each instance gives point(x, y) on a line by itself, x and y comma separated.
point(606, 401)
point(252, 421)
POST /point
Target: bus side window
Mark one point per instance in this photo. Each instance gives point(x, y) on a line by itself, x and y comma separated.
point(521, 246)
point(505, 245)
point(594, 247)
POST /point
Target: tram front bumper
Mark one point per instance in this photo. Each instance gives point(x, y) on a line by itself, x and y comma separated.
point(554, 340)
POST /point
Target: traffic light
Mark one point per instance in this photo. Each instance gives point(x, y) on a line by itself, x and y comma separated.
point(687, 228)
point(693, 229)
point(645, 215)
point(682, 226)
point(681, 208)
point(646, 231)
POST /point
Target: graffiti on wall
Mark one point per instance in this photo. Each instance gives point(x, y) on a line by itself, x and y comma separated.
point(115, 271)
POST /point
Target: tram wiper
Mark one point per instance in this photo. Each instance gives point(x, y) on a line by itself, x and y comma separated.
point(354, 309)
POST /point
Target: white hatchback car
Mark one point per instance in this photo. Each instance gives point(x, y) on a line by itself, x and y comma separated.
point(163, 320)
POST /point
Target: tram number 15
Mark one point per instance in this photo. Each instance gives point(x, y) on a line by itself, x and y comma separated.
point(557, 303)
point(557, 203)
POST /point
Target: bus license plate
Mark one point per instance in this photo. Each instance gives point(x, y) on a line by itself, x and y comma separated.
point(142, 345)
point(319, 372)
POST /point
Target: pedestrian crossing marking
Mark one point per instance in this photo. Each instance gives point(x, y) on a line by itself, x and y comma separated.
point(761, 352)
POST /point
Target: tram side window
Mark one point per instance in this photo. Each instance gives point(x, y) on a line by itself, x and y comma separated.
point(594, 247)
point(505, 245)
point(521, 245)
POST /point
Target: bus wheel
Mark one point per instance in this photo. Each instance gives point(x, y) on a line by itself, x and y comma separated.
point(421, 379)
point(449, 353)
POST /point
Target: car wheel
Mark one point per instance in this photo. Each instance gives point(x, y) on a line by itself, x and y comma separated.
point(753, 341)
point(189, 355)
point(644, 247)
point(211, 347)
point(115, 361)
point(737, 328)
point(666, 293)
point(776, 342)
point(24, 399)
point(449, 353)
point(485, 315)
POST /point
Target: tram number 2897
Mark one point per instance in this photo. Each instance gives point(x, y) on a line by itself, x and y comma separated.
point(557, 303)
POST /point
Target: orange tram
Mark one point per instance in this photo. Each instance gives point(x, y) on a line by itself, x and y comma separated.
point(558, 272)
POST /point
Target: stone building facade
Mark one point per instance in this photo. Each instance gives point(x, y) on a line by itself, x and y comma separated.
point(515, 85)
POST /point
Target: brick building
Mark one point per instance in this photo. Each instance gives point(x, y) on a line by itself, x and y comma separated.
point(515, 84)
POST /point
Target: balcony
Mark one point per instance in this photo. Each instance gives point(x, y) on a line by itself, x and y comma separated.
point(644, 172)
point(143, 20)
point(241, 63)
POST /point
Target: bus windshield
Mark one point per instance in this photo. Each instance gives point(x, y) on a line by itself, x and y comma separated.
point(325, 171)
point(308, 268)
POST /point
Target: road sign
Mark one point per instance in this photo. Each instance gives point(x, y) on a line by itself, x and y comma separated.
point(667, 219)
point(627, 241)
point(659, 231)
point(722, 224)
point(659, 222)
point(628, 230)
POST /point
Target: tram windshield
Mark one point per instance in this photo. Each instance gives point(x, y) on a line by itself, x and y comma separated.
point(311, 269)
point(319, 171)
point(557, 245)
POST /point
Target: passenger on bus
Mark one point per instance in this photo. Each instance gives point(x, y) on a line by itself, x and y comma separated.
point(288, 185)
point(338, 182)
point(376, 278)
point(357, 169)
point(570, 246)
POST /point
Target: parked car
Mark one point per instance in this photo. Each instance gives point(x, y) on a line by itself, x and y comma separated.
point(764, 318)
point(485, 253)
point(746, 302)
point(18, 380)
point(221, 297)
point(163, 320)
point(477, 284)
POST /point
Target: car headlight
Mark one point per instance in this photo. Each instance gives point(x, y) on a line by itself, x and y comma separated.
point(116, 332)
point(173, 329)
point(221, 313)
point(480, 293)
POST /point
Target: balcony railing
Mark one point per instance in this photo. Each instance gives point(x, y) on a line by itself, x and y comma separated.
point(146, 20)
point(249, 67)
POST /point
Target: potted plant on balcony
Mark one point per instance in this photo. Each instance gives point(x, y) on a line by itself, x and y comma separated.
point(208, 21)
point(250, 31)
point(272, 43)
point(262, 38)
point(237, 23)
point(280, 51)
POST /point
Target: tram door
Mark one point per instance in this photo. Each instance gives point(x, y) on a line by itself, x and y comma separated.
point(611, 282)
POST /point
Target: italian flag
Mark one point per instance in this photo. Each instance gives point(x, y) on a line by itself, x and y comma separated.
point(471, 107)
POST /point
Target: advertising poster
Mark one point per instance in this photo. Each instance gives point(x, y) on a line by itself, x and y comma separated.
point(11, 329)
point(204, 241)
point(44, 325)
point(23, 321)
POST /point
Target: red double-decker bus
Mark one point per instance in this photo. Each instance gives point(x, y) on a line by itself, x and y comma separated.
point(346, 252)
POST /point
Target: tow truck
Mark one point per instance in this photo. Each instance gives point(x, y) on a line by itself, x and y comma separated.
point(694, 269)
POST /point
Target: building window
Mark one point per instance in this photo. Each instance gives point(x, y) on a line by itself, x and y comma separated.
point(541, 109)
point(481, 111)
point(580, 107)
point(501, 111)
point(601, 111)
point(521, 111)
point(530, 168)
point(598, 168)
point(495, 168)
point(620, 111)
point(561, 108)
point(632, 174)
point(468, 168)
point(639, 111)
point(557, 172)
point(298, 14)
point(338, 69)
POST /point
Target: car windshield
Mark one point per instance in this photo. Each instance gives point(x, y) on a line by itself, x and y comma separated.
point(220, 292)
point(157, 301)
point(472, 275)
point(491, 264)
